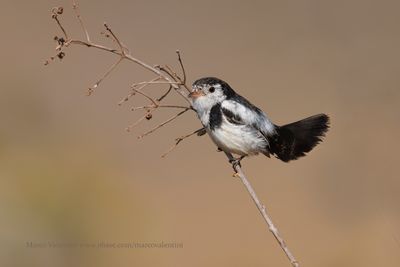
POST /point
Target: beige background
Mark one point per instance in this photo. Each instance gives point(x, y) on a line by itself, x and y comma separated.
point(69, 171)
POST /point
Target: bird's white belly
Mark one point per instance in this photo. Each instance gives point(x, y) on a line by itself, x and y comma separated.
point(238, 139)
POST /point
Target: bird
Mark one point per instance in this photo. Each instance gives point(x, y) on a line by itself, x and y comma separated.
point(238, 127)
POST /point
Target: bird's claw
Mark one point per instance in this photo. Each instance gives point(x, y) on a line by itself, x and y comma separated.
point(236, 163)
point(201, 132)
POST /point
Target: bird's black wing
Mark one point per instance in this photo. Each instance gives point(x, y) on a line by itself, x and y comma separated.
point(242, 113)
point(232, 117)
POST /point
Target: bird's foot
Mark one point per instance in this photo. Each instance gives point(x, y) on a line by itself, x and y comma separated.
point(236, 163)
point(235, 174)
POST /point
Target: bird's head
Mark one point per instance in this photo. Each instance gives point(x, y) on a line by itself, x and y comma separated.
point(209, 91)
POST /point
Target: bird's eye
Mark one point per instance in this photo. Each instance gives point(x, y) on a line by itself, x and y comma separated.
point(212, 89)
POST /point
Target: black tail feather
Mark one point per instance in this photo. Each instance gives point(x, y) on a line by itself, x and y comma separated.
point(294, 140)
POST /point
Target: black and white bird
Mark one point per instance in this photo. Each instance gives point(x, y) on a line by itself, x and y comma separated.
point(238, 127)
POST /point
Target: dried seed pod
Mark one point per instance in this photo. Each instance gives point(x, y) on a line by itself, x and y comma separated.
point(61, 41)
point(149, 116)
point(61, 55)
point(60, 10)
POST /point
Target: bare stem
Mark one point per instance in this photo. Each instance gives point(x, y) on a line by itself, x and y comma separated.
point(124, 50)
point(165, 94)
point(133, 92)
point(58, 11)
point(155, 104)
point(183, 71)
point(75, 7)
point(130, 127)
point(154, 82)
point(163, 123)
point(160, 106)
point(239, 173)
point(180, 139)
point(113, 66)
point(182, 66)
point(87, 44)
point(135, 60)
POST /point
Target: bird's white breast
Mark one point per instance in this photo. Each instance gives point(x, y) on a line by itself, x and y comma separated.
point(238, 139)
point(235, 138)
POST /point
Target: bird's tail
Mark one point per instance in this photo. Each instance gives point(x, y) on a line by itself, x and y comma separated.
point(295, 139)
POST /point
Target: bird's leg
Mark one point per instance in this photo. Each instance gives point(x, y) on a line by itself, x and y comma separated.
point(201, 132)
point(234, 161)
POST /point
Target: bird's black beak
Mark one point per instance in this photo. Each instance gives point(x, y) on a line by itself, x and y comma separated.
point(196, 93)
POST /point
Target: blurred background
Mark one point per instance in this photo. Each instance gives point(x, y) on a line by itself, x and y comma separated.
point(70, 172)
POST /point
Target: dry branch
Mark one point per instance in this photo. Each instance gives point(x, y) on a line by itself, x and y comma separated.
point(261, 207)
point(164, 123)
point(199, 132)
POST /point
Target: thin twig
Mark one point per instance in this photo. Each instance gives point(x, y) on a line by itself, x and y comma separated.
point(182, 66)
point(133, 92)
point(123, 48)
point(183, 71)
point(163, 123)
point(160, 106)
point(58, 11)
point(165, 70)
point(87, 44)
point(173, 73)
point(264, 213)
point(180, 139)
point(130, 127)
point(75, 7)
point(59, 54)
point(165, 94)
point(146, 96)
point(135, 60)
point(124, 53)
point(154, 82)
point(108, 72)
